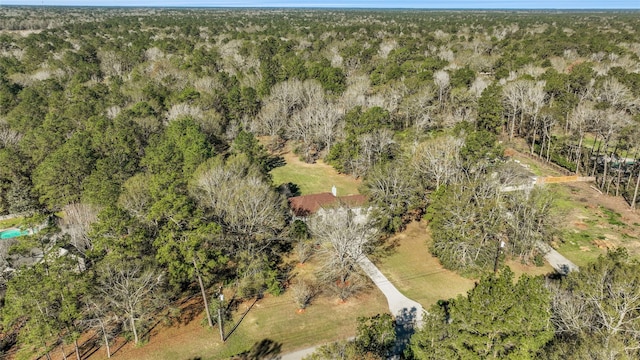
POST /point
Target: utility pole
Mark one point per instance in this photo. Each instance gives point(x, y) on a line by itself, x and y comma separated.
point(495, 264)
point(220, 316)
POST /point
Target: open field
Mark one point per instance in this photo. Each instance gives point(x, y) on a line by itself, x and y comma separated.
point(589, 222)
point(313, 178)
point(273, 318)
point(519, 268)
point(418, 274)
point(593, 223)
point(421, 277)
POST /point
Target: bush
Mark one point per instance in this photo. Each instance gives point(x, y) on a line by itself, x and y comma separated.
point(303, 292)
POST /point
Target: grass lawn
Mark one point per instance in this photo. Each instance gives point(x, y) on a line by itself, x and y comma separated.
point(518, 268)
point(591, 227)
point(274, 318)
point(589, 223)
point(313, 178)
point(418, 274)
point(536, 167)
point(9, 223)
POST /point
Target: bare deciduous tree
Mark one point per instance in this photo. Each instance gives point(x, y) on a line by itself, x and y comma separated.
point(615, 93)
point(417, 109)
point(579, 122)
point(8, 137)
point(438, 161)
point(76, 222)
point(345, 235)
point(600, 304)
point(442, 81)
point(479, 84)
point(133, 292)
point(98, 317)
point(184, 110)
point(515, 99)
point(303, 291)
point(535, 97)
point(284, 100)
point(250, 211)
point(315, 127)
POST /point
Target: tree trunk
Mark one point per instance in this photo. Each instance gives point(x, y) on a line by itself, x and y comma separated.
point(549, 149)
point(635, 193)
point(132, 322)
point(204, 294)
point(533, 136)
point(595, 163)
point(106, 339)
point(579, 154)
point(75, 345)
point(520, 122)
point(606, 162)
point(544, 136)
point(609, 184)
point(628, 184)
point(620, 172)
point(513, 125)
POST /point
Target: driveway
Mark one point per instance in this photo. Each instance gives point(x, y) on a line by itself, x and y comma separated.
point(404, 309)
point(408, 313)
point(560, 263)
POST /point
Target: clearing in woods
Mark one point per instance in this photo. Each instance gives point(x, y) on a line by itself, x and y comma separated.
point(589, 222)
point(273, 318)
point(415, 272)
point(313, 178)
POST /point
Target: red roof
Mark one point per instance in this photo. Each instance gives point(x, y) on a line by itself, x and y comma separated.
point(308, 204)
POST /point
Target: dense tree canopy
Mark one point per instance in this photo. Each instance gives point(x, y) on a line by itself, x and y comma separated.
point(140, 143)
point(496, 320)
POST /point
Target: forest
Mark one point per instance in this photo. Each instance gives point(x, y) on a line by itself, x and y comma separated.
point(137, 148)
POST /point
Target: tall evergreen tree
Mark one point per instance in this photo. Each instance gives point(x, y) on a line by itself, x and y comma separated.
point(496, 320)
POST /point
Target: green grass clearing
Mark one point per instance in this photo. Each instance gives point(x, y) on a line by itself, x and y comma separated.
point(578, 246)
point(274, 318)
point(588, 229)
point(421, 277)
point(314, 178)
point(519, 269)
point(9, 223)
point(418, 274)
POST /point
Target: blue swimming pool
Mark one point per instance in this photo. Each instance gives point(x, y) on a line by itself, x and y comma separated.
point(11, 233)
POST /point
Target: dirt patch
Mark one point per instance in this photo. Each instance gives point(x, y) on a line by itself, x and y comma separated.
point(603, 244)
point(615, 203)
point(580, 225)
point(587, 214)
point(585, 248)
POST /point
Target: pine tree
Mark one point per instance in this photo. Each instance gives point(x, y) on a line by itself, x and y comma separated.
point(496, 320)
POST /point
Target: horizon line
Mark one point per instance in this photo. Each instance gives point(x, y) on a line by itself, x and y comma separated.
point(323, 7)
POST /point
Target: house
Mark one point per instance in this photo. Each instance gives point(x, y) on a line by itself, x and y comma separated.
point(307, 205)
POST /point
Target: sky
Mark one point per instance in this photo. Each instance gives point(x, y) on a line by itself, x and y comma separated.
point(426, 4)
